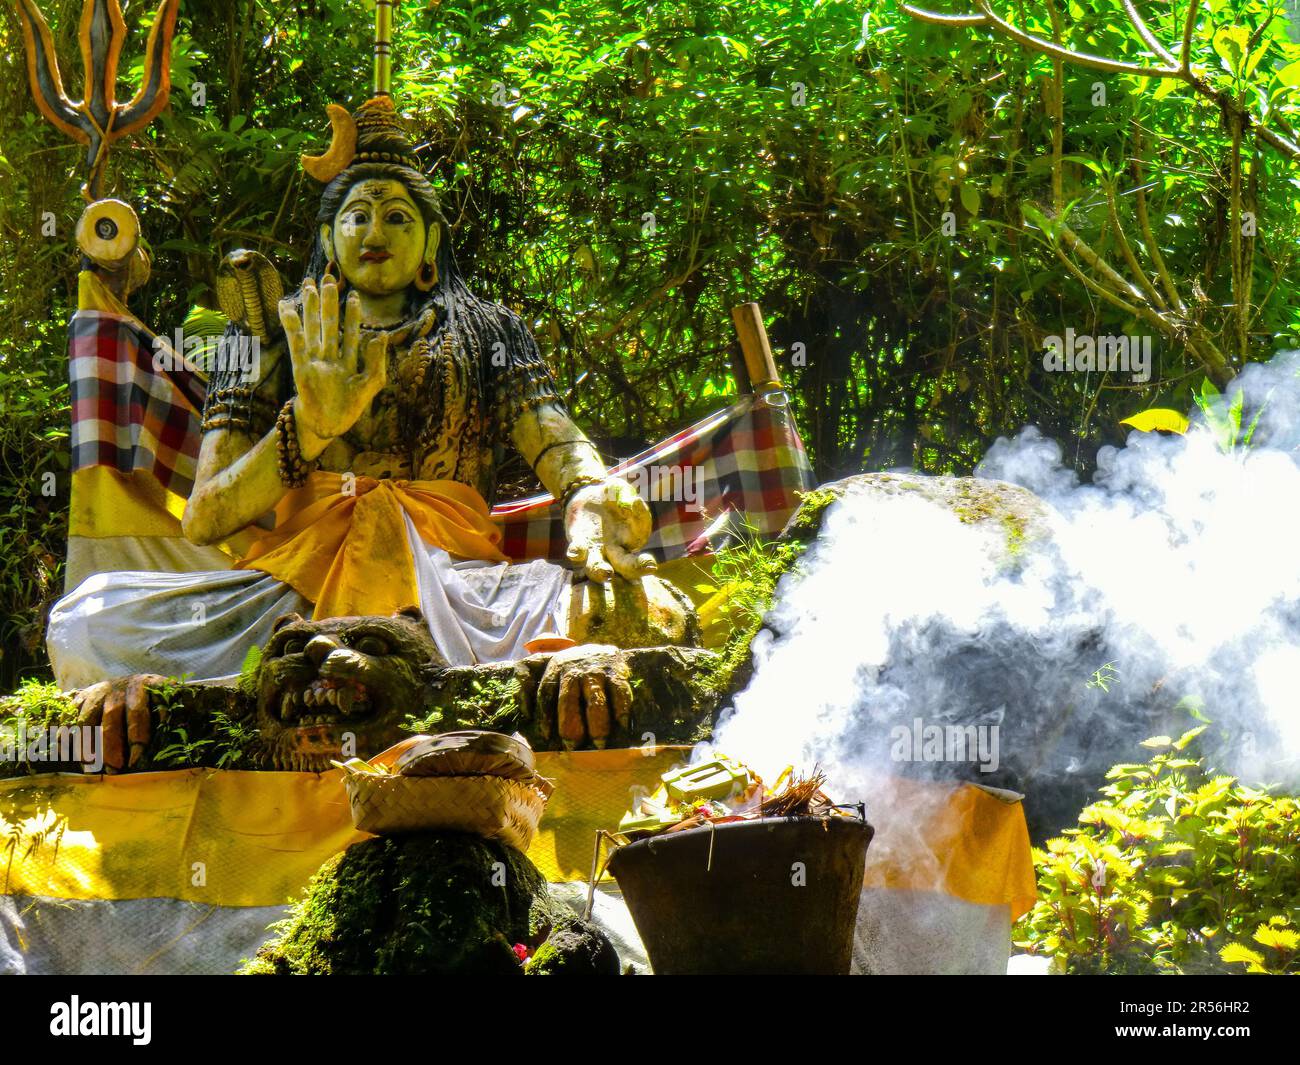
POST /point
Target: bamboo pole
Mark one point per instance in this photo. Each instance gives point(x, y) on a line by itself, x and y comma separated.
point(755, 347)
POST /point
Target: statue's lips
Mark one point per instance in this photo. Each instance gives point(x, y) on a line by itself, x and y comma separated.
point(376, 257)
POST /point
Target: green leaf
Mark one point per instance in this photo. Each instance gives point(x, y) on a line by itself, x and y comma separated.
point(1278, 938)
point(1158, 419)
point(1188, 736)
point(1239, 952)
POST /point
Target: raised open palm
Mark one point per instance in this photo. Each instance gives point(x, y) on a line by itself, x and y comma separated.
point(335, 379)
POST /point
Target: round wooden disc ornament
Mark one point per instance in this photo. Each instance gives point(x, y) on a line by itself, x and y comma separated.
point(109, 233)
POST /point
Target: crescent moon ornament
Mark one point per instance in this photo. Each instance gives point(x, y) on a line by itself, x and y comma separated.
point(343, 146)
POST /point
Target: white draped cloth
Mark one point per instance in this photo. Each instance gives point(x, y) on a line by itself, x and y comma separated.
point(202, 624)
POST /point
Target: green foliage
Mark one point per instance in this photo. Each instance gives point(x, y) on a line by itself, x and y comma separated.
point(248, 672)
point(31, 710)
point(745, 576)
point(228, 744)
point(1223, 417)
point(1176, 869)
point(37, 704)
point(490, 703)
point(217, 740)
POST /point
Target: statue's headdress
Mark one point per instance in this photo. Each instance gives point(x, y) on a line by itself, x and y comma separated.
point(374, 133)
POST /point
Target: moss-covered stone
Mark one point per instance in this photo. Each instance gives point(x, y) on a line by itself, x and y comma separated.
point(807, 520)
point(1021, 516)
point(671, 697)
point(436, 903)
point(574, 948)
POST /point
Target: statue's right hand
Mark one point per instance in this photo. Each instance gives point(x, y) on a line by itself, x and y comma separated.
point(335, 379)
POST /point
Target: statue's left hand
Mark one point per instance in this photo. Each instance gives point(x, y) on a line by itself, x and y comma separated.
point(121, 709)
point(606, 524)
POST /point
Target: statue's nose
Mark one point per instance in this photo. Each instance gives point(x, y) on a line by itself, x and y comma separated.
point(319, 648)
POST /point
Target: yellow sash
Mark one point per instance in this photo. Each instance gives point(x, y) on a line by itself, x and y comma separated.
point(348, 552)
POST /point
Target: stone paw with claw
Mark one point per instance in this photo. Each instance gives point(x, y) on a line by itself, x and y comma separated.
point(121, 709)
point(585, 692)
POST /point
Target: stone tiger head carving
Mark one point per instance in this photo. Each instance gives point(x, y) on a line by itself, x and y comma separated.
point(321, 684)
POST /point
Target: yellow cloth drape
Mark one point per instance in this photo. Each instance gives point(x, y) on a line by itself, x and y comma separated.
point(347, 551)
point(260, 836)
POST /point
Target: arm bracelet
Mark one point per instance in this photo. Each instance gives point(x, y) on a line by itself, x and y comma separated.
point(294, 469)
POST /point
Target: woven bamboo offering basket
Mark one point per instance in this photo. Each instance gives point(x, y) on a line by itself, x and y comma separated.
point(395, 793)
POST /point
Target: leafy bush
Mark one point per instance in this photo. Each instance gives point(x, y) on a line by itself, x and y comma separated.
point(1177, 869)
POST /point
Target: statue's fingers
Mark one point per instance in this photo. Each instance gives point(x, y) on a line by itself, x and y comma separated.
point(293, 332)
point(593, 689)
point(622, 700)
point(90, 703)
point(375, 372)
point(624, 562)
point(546, 701)
point(137, 717)
point(584, 536)
point(113, 730)
point(568, 712)
point(311, 318)
point(329, 318)
point(598, 567)
point(352, 331)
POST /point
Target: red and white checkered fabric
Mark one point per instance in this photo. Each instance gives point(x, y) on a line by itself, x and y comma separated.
point(126, 414)
point(746, 460)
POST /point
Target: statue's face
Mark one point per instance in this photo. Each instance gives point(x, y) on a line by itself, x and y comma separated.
point(379, 237)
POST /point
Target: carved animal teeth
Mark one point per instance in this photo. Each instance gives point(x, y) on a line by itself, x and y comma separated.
point(332, 696)
point(345, 699)
point(286, 706)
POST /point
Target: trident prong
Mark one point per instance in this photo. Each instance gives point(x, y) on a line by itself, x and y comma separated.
point(98, 120)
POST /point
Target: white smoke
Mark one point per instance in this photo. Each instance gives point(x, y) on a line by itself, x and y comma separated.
point(1177, 568)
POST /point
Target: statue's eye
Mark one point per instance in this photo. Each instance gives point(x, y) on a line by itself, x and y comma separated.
point(357, 218)
point(398, 218)
point(372, 645)
point(294, 645)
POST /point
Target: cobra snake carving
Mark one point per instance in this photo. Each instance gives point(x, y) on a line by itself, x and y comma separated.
point(249, 289)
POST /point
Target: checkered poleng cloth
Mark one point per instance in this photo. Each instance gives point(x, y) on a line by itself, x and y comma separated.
point(125, 414)
point(746, 460)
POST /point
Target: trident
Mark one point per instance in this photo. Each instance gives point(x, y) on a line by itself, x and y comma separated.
point(98, 120)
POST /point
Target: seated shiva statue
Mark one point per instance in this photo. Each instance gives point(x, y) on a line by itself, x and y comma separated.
point(370, 428)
